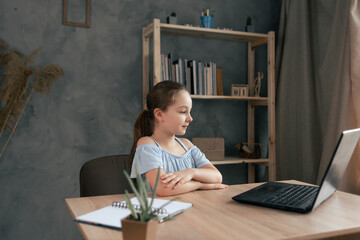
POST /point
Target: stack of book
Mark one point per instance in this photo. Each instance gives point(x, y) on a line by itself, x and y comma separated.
point(199, 77)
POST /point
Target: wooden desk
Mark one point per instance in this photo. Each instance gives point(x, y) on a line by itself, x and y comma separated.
point(215, 215)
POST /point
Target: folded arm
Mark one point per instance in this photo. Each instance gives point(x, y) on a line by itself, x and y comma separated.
point(207, 177)
point(205, 174)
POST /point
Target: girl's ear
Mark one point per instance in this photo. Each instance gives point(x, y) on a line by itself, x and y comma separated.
point(158, 114)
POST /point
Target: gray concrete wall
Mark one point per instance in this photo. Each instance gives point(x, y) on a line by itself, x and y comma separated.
point(91, 110)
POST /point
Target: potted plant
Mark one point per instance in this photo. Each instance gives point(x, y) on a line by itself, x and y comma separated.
point(142, 223)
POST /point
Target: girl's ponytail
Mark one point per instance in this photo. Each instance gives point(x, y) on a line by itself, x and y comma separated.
point(144, 126)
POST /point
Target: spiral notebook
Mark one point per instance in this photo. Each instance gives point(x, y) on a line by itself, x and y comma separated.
point(111, 215)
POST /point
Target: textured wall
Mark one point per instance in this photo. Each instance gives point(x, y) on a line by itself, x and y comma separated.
point(91, 111)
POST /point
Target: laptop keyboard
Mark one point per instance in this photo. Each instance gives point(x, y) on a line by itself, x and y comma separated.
point(294, 196)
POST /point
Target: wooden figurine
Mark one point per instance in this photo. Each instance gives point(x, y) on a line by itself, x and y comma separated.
point(258, 83)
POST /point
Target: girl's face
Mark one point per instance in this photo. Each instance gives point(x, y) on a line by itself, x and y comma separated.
point(177, 118)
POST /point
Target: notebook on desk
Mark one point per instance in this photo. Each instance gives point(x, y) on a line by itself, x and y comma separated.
point(111, 215)
point(302, 198)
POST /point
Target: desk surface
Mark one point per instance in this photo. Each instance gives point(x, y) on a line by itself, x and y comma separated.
point(215, 215)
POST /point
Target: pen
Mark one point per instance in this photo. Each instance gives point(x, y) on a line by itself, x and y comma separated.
point(171, 215)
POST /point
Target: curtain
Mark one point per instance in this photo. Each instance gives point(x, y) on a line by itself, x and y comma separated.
point(351, 181)
point(316, 86)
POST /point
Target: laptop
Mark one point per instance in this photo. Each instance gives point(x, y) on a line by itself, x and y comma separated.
point(302, 198)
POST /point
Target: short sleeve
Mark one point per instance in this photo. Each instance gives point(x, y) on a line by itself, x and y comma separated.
point(147, 157)
point(199, 157)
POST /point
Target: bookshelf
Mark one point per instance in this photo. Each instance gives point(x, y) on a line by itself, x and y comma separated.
point(155, 29)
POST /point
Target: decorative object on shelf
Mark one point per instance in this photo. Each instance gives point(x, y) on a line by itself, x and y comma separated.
point(249, 27)
point(19, 80)
point(258, 83)
point(226, 29)
point(213, 148)
point(241, 90)
point(206, 18)
point(172, 18)
point(246, 152)
point(76, 24)
point(207, 21)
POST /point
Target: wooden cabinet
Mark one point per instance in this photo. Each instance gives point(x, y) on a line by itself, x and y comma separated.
point(155, 29)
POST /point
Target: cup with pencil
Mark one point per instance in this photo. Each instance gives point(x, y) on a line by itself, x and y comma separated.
point(207, 18)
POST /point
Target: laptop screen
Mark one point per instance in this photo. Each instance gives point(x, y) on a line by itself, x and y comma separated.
point(336, 168)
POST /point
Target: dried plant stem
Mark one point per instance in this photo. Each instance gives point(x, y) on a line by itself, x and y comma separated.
point(17, 121)
point(17, 70)
point(6, 120)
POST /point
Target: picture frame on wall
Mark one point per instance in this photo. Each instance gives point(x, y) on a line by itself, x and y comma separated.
point(68, 8)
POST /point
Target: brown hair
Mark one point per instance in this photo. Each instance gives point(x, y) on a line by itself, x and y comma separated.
point(160, 96)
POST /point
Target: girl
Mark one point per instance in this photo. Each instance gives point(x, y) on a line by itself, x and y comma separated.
point(183, 167)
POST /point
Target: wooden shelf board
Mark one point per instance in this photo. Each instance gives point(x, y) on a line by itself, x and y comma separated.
point(261, 99)
point(257, 38)
point(235, 160)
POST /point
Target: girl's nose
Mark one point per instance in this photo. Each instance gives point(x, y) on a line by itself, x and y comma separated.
point(189, 118)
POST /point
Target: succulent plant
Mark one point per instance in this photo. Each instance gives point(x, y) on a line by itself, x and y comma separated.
point(146, 211)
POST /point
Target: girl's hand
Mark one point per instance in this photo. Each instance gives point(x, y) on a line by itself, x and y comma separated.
point(175, 179)
point(213, 186)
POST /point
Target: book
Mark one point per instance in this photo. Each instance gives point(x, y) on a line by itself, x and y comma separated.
point(205, 92)
point(213, 69)
point(219, 82)
point(187, 75)
point(163, 67)
point(166, 63)
point(181, 77)
point(170, 77)
point(167, 72)
point(201, 77)
point(111, 215)
point(192, 69)
point(177, 79)
point(209, 79)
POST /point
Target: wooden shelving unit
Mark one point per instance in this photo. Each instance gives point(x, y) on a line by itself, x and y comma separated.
point(235, 160)
point(155, 29)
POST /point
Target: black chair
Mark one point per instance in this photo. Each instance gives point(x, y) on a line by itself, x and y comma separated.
point(104, 176)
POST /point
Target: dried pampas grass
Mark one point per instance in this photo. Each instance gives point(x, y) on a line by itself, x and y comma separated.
point(19, 80)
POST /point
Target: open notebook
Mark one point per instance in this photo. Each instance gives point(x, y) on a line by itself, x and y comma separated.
point(111, 216)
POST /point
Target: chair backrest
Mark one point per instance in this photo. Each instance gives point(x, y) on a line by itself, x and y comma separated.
point(104, 176)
